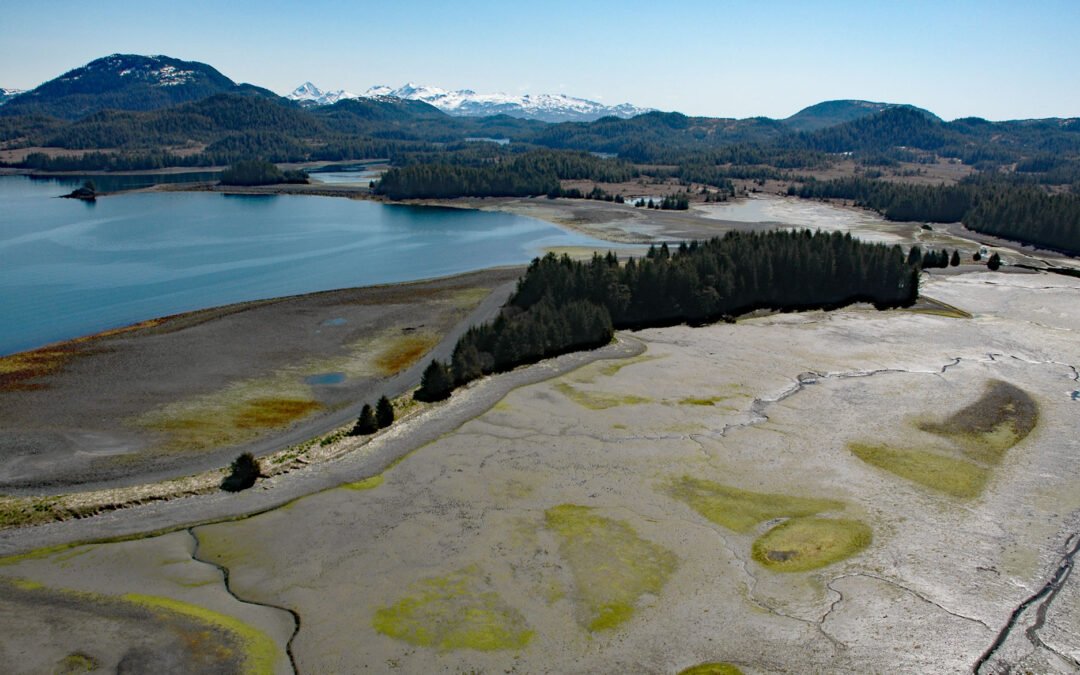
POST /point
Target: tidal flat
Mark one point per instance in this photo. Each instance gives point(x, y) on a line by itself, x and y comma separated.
point(649, 534)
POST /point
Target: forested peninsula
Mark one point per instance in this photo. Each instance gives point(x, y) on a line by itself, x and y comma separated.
point(563, 305)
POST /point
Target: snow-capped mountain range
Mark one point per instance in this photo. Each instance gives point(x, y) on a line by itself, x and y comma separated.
point(468, 103)
point(8, 94)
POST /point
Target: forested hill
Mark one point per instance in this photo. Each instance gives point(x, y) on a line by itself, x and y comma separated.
point(125, 82)
point(151, 111)
point(832, 113)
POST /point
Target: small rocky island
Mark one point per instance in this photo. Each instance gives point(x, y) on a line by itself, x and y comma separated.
point(88, 192)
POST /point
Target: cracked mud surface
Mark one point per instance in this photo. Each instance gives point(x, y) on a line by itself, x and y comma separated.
point(767, 406)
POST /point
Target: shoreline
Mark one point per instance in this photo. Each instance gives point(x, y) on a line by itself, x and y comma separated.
point(153, 516)
point(218, 357)
point(212, 312)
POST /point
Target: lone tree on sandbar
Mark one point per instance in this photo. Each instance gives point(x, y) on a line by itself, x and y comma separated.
point(243, 473)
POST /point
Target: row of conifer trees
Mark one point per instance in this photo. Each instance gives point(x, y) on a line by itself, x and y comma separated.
point(562, 305)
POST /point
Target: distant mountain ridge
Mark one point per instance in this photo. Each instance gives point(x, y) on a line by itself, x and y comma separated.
point(832, 113)
point(125, 82)
point(8, 94)
point(468, 103)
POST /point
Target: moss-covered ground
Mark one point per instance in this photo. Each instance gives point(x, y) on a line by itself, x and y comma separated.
point(598, 400)
point(456, 611)
point(951, 475)
point(973, 441)
point(740, 510)
point(612, 566)
point(259, 651)
point(802, 544)
point(711, 669)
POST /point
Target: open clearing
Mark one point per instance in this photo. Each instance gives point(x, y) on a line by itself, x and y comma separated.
point(726, 501)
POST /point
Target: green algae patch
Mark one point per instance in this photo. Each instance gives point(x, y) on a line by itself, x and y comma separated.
point(612, 566)
point(366, 484)
point(711, 669)
point(802, 544)
point(612, 369)
point(712, 400)
point(26, 584)
point(1002, 417)
point(740, 510)
point(956, 477)
point(260, 652)
point(980, 434)
point(597, 400)
point(37, 554)
point(76, 662)
point(456, 611)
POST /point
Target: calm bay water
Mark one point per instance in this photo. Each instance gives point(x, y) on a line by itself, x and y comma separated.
point(69, 268)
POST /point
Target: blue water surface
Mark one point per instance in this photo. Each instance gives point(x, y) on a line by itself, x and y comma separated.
point(70, 268)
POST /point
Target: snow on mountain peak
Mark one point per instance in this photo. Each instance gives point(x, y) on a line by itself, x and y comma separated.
point(466, 102)
point(8, 94)
point(309, 93)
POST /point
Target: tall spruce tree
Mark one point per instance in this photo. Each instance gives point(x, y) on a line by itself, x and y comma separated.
point(435, 384)
point(384, 413)
point(366, 423)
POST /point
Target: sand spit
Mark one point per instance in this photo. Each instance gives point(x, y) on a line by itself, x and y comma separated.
point(184, 394)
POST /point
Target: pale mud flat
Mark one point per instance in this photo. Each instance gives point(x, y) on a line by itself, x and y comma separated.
point(800, 213)
point(549, 534)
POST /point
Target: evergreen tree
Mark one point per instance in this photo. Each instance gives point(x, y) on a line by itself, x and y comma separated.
point(465, 365)
point(994, 262)
point(955, 260)
point(366, 423)
point(435, 384)
point(384, 413)
point(243, 473)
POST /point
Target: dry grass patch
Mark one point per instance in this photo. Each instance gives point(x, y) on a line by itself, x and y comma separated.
point(925, 305)
point(233, 415)
point(404, 352)
point(1002, 417)
point(16, 370)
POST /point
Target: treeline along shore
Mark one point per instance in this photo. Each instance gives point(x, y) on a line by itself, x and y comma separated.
point(563, 305)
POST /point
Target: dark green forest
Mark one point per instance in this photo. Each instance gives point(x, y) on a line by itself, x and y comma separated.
point(259, 172)
point(561, 305)
point(533, 173)
point(1022, 213)
point(1020, 162)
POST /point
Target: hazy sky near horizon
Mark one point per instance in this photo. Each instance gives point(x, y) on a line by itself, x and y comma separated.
point(990, 58)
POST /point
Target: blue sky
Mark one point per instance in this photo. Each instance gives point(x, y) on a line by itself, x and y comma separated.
point(999, 60)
